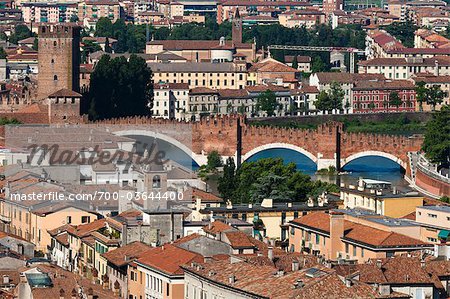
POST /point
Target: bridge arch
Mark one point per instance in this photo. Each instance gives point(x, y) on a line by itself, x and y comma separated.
point(197, 158)
point(275, 145)
point(373, 153)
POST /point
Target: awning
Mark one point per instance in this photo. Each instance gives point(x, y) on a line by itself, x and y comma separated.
point(444, 235)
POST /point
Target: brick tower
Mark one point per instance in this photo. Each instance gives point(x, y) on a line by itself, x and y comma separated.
point(59, 59)
point(236, 31)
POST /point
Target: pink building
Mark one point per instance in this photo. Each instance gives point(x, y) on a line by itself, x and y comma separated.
point(374, 96)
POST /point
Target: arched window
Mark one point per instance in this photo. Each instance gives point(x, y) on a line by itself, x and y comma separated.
point(53, 61)
point(55, 78)
point(156, 181)
point(54, 43)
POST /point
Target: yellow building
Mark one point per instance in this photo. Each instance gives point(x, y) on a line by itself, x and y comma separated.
point(270, 219)
point(335, 236)
point(382, 201)
point(232, 75)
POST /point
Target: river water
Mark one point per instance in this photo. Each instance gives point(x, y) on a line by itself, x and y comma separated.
point(372, 167)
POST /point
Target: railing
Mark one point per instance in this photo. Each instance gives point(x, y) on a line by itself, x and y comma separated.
point(423, 165)
point(5, 218)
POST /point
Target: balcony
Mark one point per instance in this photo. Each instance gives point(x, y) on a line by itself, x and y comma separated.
point(5, 218)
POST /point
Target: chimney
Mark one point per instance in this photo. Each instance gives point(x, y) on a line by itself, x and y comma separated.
point(90, 293)
point(436, 68)
point(348, 282)
point(295, 266)
point(422, 263)
point(62, 294)
point(299, 284)
point(116, 289)
point(270, 253)
point(74, 294)
point(5, 279)
point(232, 279)
point(379, 264)
point(336, 233)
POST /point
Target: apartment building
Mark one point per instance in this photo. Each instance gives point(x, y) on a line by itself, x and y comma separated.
point(93, 10)
point(303, 62)
point(374, 96)
point(170, 100)
point(323, 81)
point(435, 223)
point(205, 101)
point(299, 18)
point(404, 68)
point(378, 42)
point(223, 75)
point(270, 218)
point(161, 273)
point(332, 236)
point(431, 80)
point(49, 12)
point(424, 38)
point(380, 200)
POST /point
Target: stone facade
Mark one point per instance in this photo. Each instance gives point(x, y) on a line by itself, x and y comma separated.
point(59, 59)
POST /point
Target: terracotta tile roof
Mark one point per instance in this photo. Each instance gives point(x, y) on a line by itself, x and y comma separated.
point(410, 216)
point(217, 227)
point(168, 259)
point(67, 281)
point(383, 85)
point(4, 235)
point(202, 90)
point(301, 59)
point(271, 66)
point(63, 239)
point(65, 93)
point(65, 228)
point(171, 86)
point(186, 239)
point(125, 254)
point(358, 232)
point(177, 45)
point(308, 89)
point(233, 93)
point(330, 77)
point(85, 229)
point(441, 60)
point(239, 240)
point(264, 281)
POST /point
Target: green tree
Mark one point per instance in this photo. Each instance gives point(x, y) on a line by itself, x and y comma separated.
point(318, 65)
point(271, 186)
point(108, 48)
point(36, 44)
point(434, 96)
point(395, 100)
point(272, 178)
point(267, 102)
point(436, 144)
point(2, 53)
point(323, 102)
point(74, 18)
point(295, 62)
point(227, 182)
point(336, 94)
point(404, 31)
point(445, 199)
point(88, 47)
point(214, 160)
point(20, 32)
point(104, 27)
point(421, 94)
point(120, 88)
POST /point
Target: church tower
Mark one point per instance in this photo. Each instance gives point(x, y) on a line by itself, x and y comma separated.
point(236, 32)
point(59, 59)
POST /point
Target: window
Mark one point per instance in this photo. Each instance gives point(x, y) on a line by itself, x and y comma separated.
point(68, 219)
point(362, 252)
point(432, 215)
point(156, 181)
point(55, 78)
point(354, 250)
point(346, 248)
point(85, 219)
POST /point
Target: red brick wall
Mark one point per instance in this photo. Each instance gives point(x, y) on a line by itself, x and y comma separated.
point(362, 101)
point(432, 185)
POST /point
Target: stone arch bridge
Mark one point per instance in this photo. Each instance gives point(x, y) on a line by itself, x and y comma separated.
point(232, 136)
